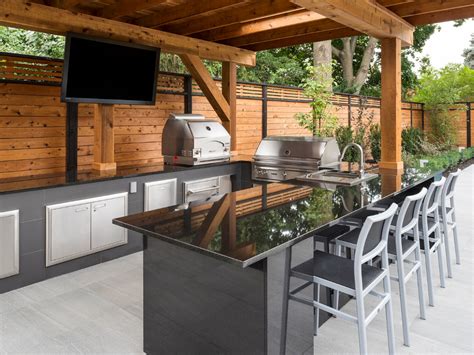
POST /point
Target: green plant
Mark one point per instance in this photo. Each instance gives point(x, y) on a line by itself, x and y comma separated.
point(412, 139)
point(319, 121)
point(440, 90)
point(344, 136)
point(441, 160)
point(375, 138)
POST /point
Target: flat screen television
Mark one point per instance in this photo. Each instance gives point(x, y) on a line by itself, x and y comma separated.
point(110, 72)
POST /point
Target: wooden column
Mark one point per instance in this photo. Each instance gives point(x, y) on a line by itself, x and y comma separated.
point(104, 153)
point(391, 107)
point(229, 90)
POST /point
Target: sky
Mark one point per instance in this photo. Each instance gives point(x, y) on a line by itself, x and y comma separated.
point(447, 45)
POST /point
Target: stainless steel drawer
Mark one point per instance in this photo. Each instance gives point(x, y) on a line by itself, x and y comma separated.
point(206, 189)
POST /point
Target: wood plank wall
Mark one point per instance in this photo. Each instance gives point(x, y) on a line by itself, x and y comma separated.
point(32, 123)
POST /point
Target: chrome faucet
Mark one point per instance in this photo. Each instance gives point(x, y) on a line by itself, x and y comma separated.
point(361, 152)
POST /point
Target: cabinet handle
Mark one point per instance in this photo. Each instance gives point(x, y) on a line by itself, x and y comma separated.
point(96, 207)
point(191, 191)
point(82, 209)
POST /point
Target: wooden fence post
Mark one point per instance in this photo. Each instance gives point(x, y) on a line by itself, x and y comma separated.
point(264, 109)
point(71, 141)
point(188, 94)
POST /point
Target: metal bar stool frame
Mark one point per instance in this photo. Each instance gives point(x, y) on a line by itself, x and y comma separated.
point(402, 257)
point(359, 292)
point(430, 213)
point(448, 219)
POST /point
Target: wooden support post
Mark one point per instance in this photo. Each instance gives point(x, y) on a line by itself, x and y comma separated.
point(391, 107)
point(229, 90)
point(208, 86)
point(104, 153)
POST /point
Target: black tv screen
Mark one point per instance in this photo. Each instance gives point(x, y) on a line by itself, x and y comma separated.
point(103, 71)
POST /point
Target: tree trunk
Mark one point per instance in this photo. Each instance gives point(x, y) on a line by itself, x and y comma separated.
point(322, 55)
point(363, 71)
point(346, 58)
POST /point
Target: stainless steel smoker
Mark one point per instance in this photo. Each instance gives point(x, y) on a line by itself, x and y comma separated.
point(190, 139)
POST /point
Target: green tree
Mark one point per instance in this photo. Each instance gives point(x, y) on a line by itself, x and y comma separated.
point(320, 120)
point(20, 41)
point(371, 82)
point(468, 54)
point(440, 90)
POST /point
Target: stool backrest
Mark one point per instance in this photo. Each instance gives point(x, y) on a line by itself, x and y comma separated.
point(431, 201)
point(373, 236)
point(409, 212)
point(449, 186)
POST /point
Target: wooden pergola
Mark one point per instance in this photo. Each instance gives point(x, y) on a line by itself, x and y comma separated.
point(230, 31)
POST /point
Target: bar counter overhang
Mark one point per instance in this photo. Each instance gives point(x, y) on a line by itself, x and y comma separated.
point(213, 273)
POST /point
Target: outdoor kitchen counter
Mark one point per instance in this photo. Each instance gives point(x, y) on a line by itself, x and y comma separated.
point(213, 273)
point(35, 182)
point(261, 220)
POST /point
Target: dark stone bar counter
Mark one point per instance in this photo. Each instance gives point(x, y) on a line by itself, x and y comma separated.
point(213, 272)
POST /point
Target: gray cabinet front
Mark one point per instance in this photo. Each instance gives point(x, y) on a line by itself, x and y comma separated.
point(9, 243)
point(69, 232)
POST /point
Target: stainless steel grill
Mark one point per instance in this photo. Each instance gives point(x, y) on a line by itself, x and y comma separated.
point(280, 158)
point(192, 140)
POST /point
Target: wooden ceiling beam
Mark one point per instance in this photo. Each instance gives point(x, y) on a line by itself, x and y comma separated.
point(435, 17)
point(366, 16)
point(184, 11)
point(24, 14)
point(288, 19)
point(305, 38)
point(208, 86)
point(296, 30)
point(254, 10)
point(255, 27)
point(127, 7)
point(67, 4)
point(421, 7)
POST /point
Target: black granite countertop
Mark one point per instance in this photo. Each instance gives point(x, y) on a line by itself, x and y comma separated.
point(35, 182)
point(249, 225)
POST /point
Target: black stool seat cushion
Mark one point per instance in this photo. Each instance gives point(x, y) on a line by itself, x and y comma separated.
point(392, 249)
point(331, 232)
point(337, 269)
point(351, 237)
point(431, 223)
point(361, 216)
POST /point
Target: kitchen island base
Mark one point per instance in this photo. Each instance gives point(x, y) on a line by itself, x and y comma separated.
point(196, 304)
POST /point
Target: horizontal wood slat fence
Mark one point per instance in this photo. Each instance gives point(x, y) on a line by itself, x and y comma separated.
point(33, 119)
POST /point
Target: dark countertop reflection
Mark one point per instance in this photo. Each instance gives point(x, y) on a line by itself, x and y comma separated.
point(246, 226)
point(42, 181)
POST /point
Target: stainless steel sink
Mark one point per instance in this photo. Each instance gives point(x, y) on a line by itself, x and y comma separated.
point(346, 178)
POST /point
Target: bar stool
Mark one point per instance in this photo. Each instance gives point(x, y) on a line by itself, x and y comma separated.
point(399, 249)
point(352, 277)
point(448, 219)
point(430, 233)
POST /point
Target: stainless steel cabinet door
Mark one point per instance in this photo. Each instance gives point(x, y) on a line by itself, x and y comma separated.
point(160, 194)
point(9, 243)
point(104, 234)
point(69, 232)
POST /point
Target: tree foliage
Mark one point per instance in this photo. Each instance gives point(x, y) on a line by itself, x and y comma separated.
point(440, 90)
point(320, 120)
point(14, 40)
point(468, 54)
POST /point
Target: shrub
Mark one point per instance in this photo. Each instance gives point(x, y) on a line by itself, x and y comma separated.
point(375, 138)
point(412, 139)
point(439, 90)
point(441, 160)
point(344, 136)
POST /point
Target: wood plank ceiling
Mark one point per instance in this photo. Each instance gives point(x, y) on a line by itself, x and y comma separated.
point(254, 24)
